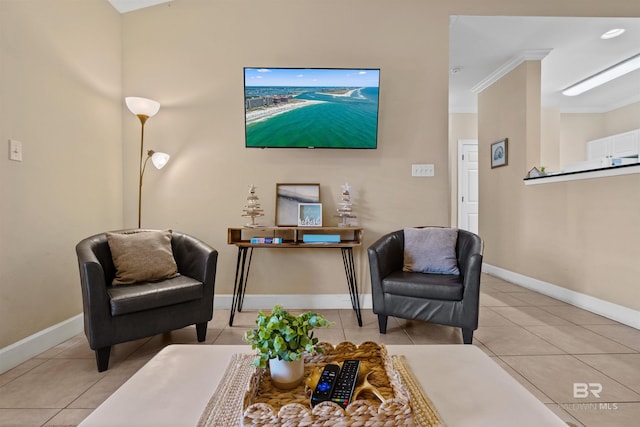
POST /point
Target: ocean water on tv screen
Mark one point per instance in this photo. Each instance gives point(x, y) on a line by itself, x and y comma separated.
point(318, 117)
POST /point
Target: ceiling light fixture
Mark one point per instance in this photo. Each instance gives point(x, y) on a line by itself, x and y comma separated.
point(604, 76)
point(612, 33)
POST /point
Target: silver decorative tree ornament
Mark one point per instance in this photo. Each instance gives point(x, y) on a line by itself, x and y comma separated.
point(252, 209)
point(344, 206)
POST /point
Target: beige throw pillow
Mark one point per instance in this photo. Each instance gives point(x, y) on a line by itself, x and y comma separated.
point(144, 256)
point(430, 250)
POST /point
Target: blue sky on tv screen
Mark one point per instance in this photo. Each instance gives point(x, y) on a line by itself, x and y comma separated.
point(311, 77)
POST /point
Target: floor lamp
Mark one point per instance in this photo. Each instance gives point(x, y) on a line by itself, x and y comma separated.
point(145, 108)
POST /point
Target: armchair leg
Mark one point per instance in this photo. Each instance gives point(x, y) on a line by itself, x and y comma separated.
point(201, 331)
point(467, 335)
point(102, 358)
point(382, 323)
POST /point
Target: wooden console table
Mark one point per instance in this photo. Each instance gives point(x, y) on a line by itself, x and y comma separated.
point(292, 237)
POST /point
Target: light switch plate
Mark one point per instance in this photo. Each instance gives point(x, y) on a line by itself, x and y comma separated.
point(15, 150)
point(425, 169)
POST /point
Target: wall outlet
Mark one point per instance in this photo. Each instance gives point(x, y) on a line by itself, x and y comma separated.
point(425, 169)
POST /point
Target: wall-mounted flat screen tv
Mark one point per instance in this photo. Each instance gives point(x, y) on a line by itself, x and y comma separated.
point(311, 107)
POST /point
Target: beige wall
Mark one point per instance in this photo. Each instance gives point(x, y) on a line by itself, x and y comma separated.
point(201, 123)
point(61, 95)
point(550, 139)
point(190, 56)
point(575, 130)
point(581, 235)
point(502, 113)
point(622, 119)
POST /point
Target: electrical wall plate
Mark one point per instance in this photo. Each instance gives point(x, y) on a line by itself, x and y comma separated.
point(15, 150)
point(424, 169)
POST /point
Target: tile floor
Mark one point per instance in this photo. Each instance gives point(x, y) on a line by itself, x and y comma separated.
point(545, 344)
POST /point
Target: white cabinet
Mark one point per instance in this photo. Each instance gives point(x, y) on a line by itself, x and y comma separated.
point(599, 148)
point(621, 145)
point(625, 144)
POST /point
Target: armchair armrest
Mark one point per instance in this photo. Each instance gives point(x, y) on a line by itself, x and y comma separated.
point(95, 300)
point(386, 255)
point(194, 258)
point(470, 248)
point(471, 275)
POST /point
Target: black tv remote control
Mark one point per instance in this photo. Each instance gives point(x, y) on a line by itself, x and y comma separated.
point(343, 390)
point(325, 385)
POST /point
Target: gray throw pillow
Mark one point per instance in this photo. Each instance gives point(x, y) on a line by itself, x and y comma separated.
point(144, 256)
point(430, 250)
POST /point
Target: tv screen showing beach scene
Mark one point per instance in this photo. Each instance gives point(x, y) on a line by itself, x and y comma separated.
point(311, 107)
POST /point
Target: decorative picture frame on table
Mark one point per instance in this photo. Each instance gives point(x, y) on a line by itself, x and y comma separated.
point(499, 153)
point(309, 214)
point(288, 196)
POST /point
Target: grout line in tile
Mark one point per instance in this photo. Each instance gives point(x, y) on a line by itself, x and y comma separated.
point(344, 319)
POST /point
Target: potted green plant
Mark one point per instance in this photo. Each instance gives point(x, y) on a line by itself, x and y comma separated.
point(281, 339)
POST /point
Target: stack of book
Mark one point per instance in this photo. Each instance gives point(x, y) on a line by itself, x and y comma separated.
point(266, 240)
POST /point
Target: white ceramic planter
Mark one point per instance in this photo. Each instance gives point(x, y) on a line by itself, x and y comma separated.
point(286, 375)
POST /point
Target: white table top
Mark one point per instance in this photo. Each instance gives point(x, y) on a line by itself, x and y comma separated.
point(466, 387)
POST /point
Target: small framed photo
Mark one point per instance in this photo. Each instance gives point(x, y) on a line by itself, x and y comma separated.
point(309, 214)
point(287, 198)
point(499, 153)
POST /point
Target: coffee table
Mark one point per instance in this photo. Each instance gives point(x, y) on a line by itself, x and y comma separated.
point(466, 387)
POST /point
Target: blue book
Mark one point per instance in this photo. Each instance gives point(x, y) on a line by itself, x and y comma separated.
point(321, 238)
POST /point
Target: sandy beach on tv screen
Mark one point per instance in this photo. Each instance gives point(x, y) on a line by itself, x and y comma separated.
point(268, 112)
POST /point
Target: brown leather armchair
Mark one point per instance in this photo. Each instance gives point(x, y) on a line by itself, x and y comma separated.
point(116, 314)
point(444, 299)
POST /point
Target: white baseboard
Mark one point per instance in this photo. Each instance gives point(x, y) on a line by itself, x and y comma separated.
point(312, 302)
point(14, 354)
point(23, 350)
point(604, 308)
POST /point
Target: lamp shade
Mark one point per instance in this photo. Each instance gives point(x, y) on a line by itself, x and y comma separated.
point(159, 159)
point(142, 106)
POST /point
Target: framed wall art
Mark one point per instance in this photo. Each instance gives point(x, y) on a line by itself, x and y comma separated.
point(288, 196)
point(499, 153)
point(310, 214)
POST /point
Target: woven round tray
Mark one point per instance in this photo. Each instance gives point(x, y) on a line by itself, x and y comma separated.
point(266, 405)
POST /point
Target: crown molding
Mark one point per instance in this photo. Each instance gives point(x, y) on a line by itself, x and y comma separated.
point(504, 69)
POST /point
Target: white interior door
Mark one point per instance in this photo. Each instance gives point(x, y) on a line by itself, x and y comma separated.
point(468, 185)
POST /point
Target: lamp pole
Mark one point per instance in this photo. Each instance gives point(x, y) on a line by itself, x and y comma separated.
point(143, 119)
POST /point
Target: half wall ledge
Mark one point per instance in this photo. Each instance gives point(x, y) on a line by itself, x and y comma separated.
point(587, 174)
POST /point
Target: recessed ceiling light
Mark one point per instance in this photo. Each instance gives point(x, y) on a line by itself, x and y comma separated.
point(612, 33)
point(604, 76)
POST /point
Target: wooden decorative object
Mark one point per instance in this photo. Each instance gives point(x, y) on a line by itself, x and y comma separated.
point(252, 209)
